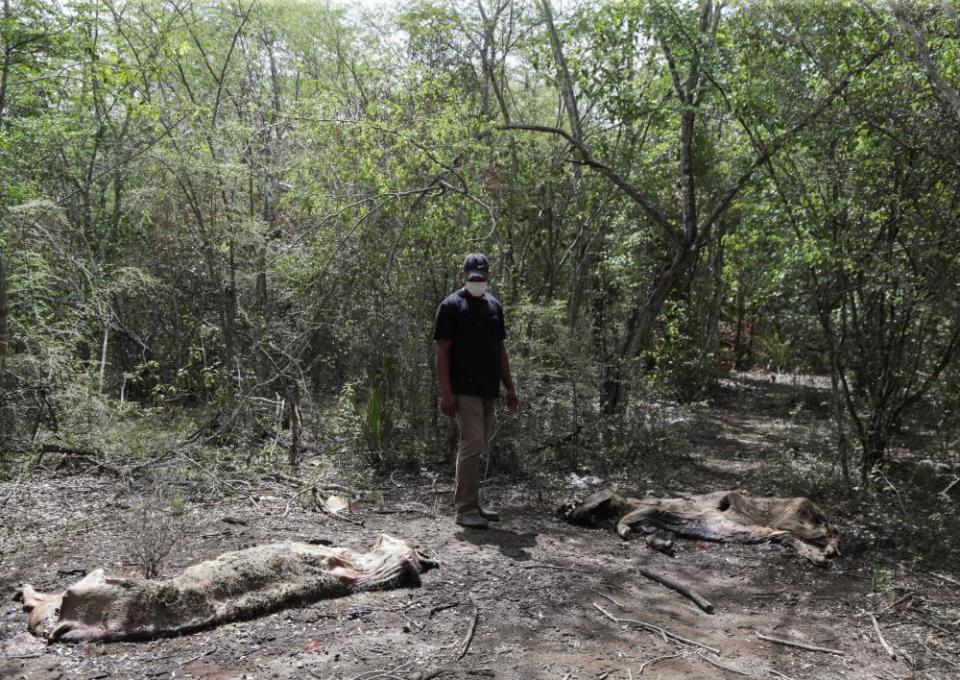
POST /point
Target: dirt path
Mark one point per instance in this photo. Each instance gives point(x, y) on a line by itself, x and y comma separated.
point(531, 582)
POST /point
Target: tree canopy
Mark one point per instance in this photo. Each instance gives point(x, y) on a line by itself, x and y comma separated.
point(220, 211)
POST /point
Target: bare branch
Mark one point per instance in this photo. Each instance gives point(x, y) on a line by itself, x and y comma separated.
point(787, 137)
point(926, 59)
point(587, 159)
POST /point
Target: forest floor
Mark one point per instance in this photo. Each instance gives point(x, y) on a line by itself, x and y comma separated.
point(529, 586)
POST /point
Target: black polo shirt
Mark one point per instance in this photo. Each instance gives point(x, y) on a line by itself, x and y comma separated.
point(477, 329)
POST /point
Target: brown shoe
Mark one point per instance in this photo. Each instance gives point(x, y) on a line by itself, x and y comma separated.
point(489, 514)
point(472, 520)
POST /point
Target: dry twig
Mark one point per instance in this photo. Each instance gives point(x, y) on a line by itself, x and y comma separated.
point(735, 671)
point(379, 673)
point(442, 606)
point(932, 624)
point(903, 598)
point(688, 593)
point(778, 674)
point(666, 634)
point(547, 565)
point(883, 643)
point(948, 579)
point(941, 657)
point(606, 597)
point(800, 645)
point(650, 662)
point(337, 515)
point(469, 638)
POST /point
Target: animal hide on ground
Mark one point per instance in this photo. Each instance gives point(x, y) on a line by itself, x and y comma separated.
point(234, 586)
point(724, 516)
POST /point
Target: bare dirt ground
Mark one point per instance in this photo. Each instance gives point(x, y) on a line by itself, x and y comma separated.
point(528, 589)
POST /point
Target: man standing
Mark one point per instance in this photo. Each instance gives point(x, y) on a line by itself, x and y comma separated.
point(471, 363)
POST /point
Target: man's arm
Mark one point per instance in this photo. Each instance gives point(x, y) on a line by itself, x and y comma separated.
point(507, 380)
point(448, 403)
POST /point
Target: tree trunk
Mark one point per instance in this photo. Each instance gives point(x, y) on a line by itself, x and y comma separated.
point(947, 91)
point(874, 444)
point(640, 331)
point(5, 69)
point(4, 310)
point(229, 301)
point(103, 354)
point(291, 418)
point(563, 73)
point(711, 326)
point(582, 266)
point(640, 325)
point(837, 395)
point(739, 355)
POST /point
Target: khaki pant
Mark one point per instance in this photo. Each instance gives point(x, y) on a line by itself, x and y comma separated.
point(475, 417)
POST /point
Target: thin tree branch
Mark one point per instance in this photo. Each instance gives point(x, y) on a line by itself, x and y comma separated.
point(787, 137)
point(587, 159)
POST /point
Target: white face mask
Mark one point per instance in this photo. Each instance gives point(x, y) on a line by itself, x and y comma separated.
point(476, 288)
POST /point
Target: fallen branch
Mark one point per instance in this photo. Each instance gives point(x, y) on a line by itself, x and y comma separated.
point(400, 510)
point(607, 597)
point(932, 624)
point(945, 493)
point(778, 674)
point(663, 632)
point(337, 515)
point(93, 456)
point(379, 673)
point(941, 657)
point(547, 565)
point(441, 607)
point(688, 593)
point(883, 643)
point(800, 645)
point(655, 659)
point(700, 655)
point(948, 579)
point(469, 638)
point(906, 596)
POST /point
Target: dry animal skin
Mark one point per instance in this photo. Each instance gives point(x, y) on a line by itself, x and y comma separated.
point(724, 516)
point(234, 586)
point(335, 504)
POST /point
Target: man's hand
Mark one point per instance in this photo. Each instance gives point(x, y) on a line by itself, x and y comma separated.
point(448, 405)
point(512, 403)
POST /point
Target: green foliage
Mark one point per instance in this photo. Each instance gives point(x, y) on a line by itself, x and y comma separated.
point(377, 427)
point(776, 352)
point(212, 210)
point(683, 370)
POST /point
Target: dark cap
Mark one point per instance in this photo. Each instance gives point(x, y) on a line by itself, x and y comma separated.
point(476, 263)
